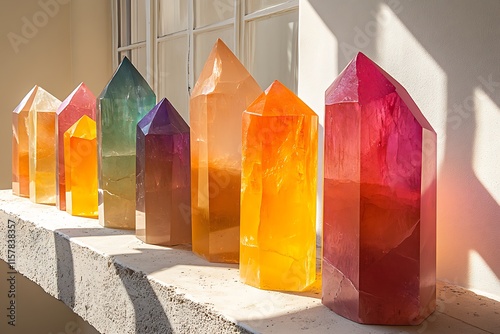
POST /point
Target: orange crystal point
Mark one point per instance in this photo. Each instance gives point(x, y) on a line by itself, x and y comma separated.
point(42, 147)
point(20, 145)
point(223, 90)
point(80, 102)
point(278, 192)
point(80, 163)
point(379, 230)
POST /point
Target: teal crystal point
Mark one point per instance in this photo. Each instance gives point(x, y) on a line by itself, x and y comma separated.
point(123, 102)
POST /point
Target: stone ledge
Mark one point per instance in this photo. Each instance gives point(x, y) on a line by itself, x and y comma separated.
point(121, 285)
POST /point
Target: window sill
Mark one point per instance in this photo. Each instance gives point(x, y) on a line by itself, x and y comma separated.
point(121, 285)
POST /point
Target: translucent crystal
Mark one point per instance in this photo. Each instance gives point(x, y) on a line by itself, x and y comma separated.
point(80, 164)
point(42, 147)
point(278, 192)
point(379, 232)
point(20, 145)
point(223, 90)
point(80, 102)
point(163, 208)
point(123, 102)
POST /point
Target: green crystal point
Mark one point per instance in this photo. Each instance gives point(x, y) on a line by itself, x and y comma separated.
point(123, 102)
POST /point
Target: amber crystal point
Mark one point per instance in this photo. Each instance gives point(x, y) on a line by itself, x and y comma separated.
point(20, 145)
point(163, 188)
point(80, 163)
point(278, 192)
point(42, 147)
point(379, 232)
point(223, 90)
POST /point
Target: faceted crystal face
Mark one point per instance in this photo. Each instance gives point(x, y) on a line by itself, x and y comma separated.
point(163, 187)
point(42, 147)
point(80, 164)
point(278, 192)
point(379, 232)
point(20, 145)
point(223, 90)
point(80, 102)
point(122, 103)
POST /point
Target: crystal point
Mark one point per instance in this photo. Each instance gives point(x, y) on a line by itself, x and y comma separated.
point(20, 145)
point(123, 102)
point(163, 177)
point(379, 232)
point(223, 90)
point(80, 164)
point(42, 147)
point(80, 102)
point(278, 192)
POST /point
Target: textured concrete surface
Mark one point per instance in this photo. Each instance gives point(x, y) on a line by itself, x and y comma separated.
point(121, 285)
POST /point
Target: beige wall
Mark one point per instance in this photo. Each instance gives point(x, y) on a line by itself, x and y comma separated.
point(70, 43)
point(57, 46)
point(447, 54)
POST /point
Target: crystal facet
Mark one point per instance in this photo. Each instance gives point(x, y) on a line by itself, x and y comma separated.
point(163, 190)
point(80, 102)
point(123, 102)
point(20, 145)
point(42, 147)
point(223, 90)
point(379, 232)
point(80, 163)
point(278, 192)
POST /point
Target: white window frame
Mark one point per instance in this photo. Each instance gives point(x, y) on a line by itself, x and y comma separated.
point(240, 21)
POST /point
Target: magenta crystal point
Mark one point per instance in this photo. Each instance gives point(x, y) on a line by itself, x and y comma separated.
point(79, 103)
point(379, 232)
point(163, 186)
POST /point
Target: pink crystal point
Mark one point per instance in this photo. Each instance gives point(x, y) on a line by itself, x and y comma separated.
point(379, 233)
point(80, 102)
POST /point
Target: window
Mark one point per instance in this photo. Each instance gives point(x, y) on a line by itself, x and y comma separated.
point(169, 40)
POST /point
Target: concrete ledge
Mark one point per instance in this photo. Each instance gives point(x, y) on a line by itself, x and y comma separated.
point(121, 285)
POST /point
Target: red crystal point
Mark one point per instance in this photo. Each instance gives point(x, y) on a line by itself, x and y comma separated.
point(379, 200)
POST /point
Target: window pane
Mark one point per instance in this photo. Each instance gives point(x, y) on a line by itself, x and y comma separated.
point(212, 11)
point(255, 5)
point(137, 57)
point(271, 45)
point(124, 20)
point(138, 21)
point(172, 73)
point(204, 42)
point(172, 16)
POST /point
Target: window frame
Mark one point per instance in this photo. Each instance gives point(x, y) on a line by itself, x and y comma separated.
point(240, 20)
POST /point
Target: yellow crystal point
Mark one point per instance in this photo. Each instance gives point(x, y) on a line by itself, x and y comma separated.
point(20, 145)
point(278, 192)
point(80, 164)
point(42, 147)
point(223, 91)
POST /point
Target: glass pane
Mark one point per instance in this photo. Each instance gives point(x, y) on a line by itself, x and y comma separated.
point(172, 16)
point(212, 11)
point(172, 73)
point(271, 46)
point(204, 42)
point(137, 57)
point(255, 5)
point(138, 21)
point(124, 19)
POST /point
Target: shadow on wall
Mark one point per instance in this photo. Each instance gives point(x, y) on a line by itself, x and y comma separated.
point(463, 39)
